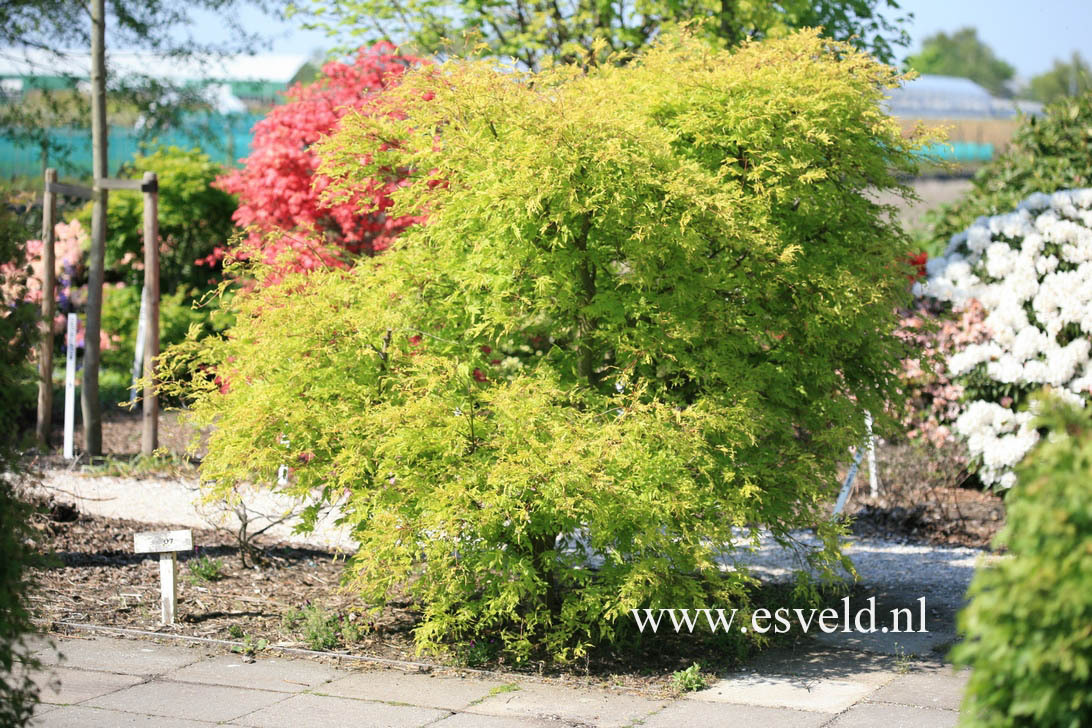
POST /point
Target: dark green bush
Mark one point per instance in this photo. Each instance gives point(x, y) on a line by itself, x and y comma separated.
point(1028, 626)
point(194, 219)
point(641, 324)
point(1047, 154)
point(177, 313)
point(17, 335)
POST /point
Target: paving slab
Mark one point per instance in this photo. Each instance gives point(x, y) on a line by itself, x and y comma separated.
point(322, 710)
point(286, 676)
point(471, 720)
point(187, 700)
point(815, 661)
point(78, 716)
point(131, 657)
point(391, 686)
point(937, 688)
point(870, 715)
point(727, 715)
point(936, 616)
point(66, 686)
point(579, 705)
point(906, 643)
point(822, 695)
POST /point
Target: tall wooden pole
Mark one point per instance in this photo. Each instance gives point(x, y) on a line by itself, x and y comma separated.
point(89, 392)
point(150, 435)
point(45, 350)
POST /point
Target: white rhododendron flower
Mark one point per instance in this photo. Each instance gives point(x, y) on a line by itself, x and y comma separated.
point(1031, 270)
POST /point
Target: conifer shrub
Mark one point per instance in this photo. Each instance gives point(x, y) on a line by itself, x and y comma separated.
point(641, 324)
point(1028, 639)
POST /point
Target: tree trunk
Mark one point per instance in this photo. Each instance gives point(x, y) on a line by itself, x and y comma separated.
point(89, 392)
point(729, 22)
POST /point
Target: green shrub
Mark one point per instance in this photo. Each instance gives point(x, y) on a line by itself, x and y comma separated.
point(695, 300)
point(1046, 154)
point(688, 680)
point(194, 219)
point(205, 569)
point(18, 693)
point(319, 628)
point(1028, 626)
point(178, 311)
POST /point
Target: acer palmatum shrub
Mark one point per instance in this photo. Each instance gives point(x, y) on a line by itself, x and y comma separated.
point(696, 303)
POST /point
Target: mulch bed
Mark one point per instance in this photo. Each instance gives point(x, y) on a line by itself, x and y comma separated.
point(926, 496)
point(91, 576)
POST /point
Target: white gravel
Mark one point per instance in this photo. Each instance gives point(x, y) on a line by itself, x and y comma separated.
point(178, 502)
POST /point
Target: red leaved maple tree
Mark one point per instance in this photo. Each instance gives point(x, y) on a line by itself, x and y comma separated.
point(280, 194)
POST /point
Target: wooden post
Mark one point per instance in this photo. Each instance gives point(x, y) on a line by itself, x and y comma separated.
point(89, 392)
point(167, 544)
point(45, 348)
point(149, 439)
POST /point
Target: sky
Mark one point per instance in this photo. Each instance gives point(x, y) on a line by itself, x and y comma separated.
point(1028, 35)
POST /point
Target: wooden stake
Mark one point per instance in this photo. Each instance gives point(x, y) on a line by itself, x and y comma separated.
point(168, 587)
point(45, 348)
point(167, 544)
point(149, 439)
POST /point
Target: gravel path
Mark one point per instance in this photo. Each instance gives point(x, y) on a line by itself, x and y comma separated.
point(178, 501)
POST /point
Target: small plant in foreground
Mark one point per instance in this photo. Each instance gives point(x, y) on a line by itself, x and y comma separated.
point(902, 659)
point(251, 646)
point(205, 569)
point(688, 680)
point(318, 628)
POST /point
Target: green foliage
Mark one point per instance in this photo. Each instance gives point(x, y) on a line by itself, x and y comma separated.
point(194, 219)
point(205, 569)
point(1063, 79)
point(250, 645)
point(1027, 624)
point(1046, 154)
point(178, 311)
point(18, 693)
point(160, 464)
point(533, 32)
point(688, 680)
point(319, 629)
point(962, 54)
point(697, 299)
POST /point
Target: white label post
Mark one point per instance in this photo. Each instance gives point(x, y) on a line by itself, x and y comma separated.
point(167, 544)
point(138, 355)
point(70, 388)
point(873, 479)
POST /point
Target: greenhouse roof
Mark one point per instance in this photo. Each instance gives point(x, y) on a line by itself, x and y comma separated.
point(947, 97)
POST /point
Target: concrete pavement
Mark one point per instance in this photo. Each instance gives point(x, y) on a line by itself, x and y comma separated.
point(106, 681)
